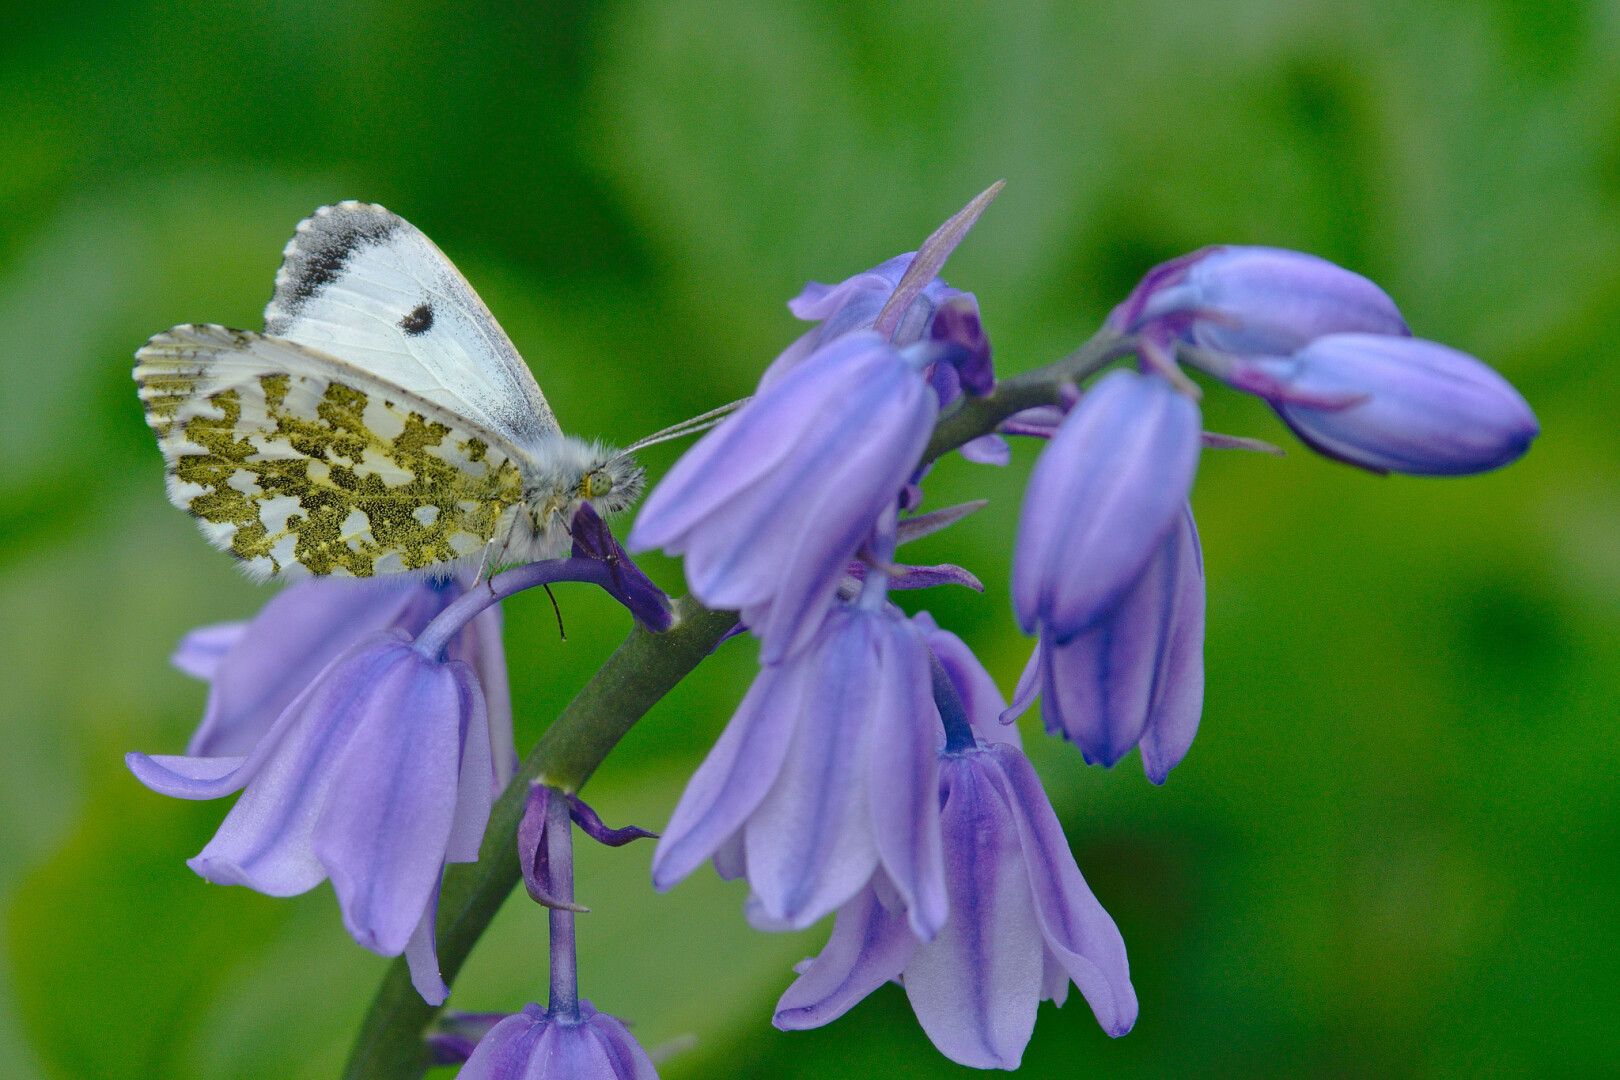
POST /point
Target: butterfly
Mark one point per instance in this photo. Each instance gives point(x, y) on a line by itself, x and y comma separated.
point(382, 423)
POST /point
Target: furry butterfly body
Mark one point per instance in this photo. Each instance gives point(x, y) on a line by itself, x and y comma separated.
point(382, 423)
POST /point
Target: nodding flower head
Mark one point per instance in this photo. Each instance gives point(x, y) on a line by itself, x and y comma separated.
point(375, 776)
point(826, 772)
point(1023, 924)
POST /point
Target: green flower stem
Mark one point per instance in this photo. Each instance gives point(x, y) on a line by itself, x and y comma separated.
point(646, 667)
point(967, 418)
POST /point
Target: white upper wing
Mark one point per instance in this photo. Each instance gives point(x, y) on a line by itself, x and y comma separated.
point(364, 285)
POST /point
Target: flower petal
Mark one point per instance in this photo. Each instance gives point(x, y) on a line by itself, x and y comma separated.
point(870, 945)
point(976, 986)
point(290, 641)
point(734, 778)
point(265, 840)
point(1178, 691)
point(385, 825)
point(421, 954)
point(481, 644)
point(1078, 931)
point(980, 696)
point(475, 786)
point(200, 652)
point(904, 775)
point(809, 844)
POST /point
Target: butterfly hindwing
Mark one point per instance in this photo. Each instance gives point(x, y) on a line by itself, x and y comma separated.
point(295, 461)
point(358, 281)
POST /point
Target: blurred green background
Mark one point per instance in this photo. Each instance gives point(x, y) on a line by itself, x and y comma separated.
point(1392, 851)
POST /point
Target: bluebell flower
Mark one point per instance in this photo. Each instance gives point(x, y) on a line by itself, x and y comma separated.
point(1394, 404)
point(770, 507)
point(1137, 676)
point(826, 772)
point(375, 775)
point(534, 1045)
point(1022, 924)
point(256, 668)
point(1101, 499)
point(1254, 301)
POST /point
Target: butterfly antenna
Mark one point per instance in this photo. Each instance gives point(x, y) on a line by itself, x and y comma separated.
point(687, 427)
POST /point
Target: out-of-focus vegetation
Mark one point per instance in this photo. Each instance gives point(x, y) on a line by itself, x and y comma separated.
point(1392, 851)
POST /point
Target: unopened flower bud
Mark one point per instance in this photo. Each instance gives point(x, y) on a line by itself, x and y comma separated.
point(1414, 406)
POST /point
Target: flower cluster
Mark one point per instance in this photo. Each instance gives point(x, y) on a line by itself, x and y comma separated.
point(872, 771)
point(868, 771)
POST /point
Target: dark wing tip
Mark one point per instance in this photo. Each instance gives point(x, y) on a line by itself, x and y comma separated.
point(319, 249)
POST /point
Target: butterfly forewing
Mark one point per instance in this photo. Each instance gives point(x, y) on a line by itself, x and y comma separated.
point(295, 461)
point(359, 282)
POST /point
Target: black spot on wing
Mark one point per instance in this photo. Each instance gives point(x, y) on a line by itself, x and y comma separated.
point(320, 249)
point(418, 321)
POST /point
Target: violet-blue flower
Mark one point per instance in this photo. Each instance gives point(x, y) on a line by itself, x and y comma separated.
point(255, 668)
point(1022, 924)
point(375, 775)
point(1137, 676)
point(1103, 495)
point(770, 506)
point(1255, 300)
point(826, 772)
point(1395, 404)
point(534, 1045)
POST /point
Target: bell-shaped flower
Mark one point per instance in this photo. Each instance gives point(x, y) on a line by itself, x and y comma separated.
point(827, 771)
point(770, 507)
point(1136, 678)
point(533, 1045)
point(1103, 495)
point(1022, 924)
point(1255, 301)
point(256, 668)
point(375, 775)
point(1393, 404)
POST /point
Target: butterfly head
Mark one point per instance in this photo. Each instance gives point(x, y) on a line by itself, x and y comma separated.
point(612, 483)
point(567, 472)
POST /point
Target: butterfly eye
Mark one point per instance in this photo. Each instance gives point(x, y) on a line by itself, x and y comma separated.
point(596, 484)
